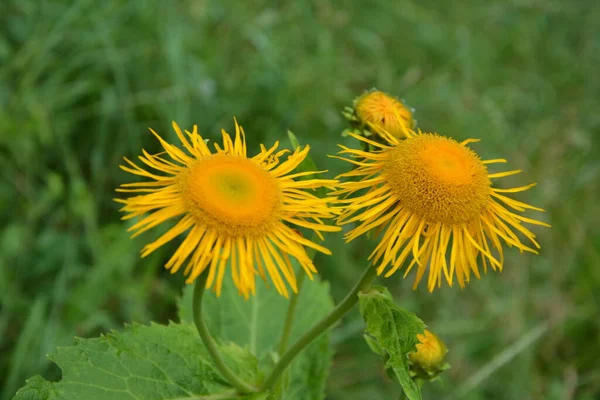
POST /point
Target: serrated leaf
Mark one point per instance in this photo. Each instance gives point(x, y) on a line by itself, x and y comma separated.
point(258, 323)
point(153, 362)
point(37, 388)
point(395, 331)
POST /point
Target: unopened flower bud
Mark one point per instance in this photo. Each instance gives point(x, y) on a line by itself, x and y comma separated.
point(429, 355)
point(384, 112)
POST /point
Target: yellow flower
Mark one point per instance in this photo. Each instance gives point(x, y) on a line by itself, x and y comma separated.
point(385, 112)
point(235, 210)
point(431, 196)
point(430, 352)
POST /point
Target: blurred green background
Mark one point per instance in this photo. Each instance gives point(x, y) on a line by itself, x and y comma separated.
point(82, 80)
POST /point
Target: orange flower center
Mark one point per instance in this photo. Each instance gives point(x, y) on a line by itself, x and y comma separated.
point(231, 194)
point(438, 179)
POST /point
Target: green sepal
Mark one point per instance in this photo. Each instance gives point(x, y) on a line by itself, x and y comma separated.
point(423, 374)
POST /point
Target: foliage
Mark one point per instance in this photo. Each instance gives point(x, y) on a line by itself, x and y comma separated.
point(142, 362)
point(393, 332)
point(81, 81)
point(170, 362)
point(257, 324)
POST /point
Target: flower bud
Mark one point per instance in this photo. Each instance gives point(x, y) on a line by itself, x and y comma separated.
point(428, 359)
point(384, 112)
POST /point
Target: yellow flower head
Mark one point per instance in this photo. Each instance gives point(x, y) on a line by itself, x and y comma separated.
point(430, 196)
point(385, 112)
point(430, 352)
point(235, 210)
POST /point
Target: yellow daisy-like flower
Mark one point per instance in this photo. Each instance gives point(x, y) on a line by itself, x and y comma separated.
point(236, 210)
point(385, 112)
point(430, 195)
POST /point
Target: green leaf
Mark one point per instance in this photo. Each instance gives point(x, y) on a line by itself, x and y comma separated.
point(258, 323)
point(308, 164)
point(394, 330)
point(293, 140)
point(37, 388)
point(142, 362)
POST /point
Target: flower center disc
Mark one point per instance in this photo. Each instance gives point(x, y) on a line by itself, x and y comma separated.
point(438, 179)
point(231, 194)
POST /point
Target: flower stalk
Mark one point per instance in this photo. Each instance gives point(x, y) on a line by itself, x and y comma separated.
point(289, 317)
point(320, 327)
point(287, 356)
point(211, 346)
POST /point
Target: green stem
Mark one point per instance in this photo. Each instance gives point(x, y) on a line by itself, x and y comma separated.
point(289, 317)
point(210, 344)
point(338, 312)
point(287, 331)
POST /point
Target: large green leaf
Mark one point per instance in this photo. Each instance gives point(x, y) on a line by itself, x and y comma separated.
point(393, 333)
point(142, 362)
point(258, 324)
